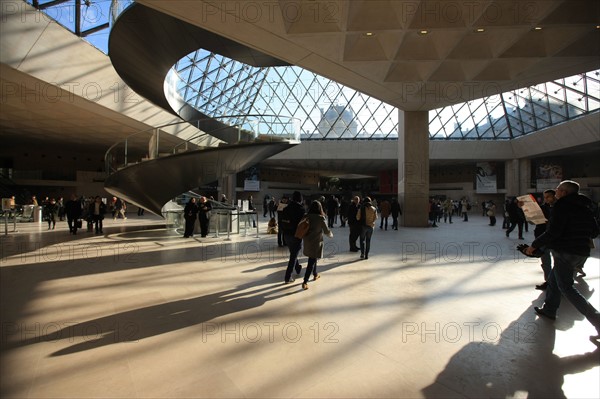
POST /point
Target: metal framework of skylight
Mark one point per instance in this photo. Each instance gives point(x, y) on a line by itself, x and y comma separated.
point(327, 110)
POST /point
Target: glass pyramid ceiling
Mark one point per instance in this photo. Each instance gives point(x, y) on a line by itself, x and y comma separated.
point(219, 87)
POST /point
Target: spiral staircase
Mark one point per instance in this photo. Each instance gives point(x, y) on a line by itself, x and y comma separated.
point(150, 169)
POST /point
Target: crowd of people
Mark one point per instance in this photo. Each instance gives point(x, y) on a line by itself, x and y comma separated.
point(77, 210)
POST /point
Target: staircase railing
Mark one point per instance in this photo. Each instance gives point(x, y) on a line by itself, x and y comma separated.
point(155, 143)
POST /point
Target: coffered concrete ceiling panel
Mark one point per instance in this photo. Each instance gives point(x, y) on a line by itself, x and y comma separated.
point(326, 45)
point(377, 15)
point(300, 32)
point(411, 71)
point(361, 48)
point(572, 12)
point(507, 70)
point(587, 45)
point(448, 71)
point(545, 42)
point(484, 45)
point(416, 47)
point(502, 13)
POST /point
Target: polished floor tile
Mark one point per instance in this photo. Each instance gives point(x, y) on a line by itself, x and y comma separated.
point(140, 312)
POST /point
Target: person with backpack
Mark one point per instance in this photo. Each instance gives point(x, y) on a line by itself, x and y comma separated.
point(313, 240)
point(366, 216)
point(288, 223)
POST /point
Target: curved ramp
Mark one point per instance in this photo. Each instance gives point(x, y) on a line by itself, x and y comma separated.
point(143, 46)
point(151, 184)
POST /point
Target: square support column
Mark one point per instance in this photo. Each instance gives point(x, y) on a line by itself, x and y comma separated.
point(413, 167)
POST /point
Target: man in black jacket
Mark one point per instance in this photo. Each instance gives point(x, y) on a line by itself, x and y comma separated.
point(568, 235)
point(355, 225)
point(290, 217)
point(73, 212)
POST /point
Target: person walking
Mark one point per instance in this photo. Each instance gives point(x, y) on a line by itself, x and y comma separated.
point(266, 205)
point(290, 217)
point(313, 240)
point(396, 211)
point(344, 204)
point(51, 212)
point(190, 213)
point(251, 208)
point(353, 223)
point(332, 210)
point(385, 208)
point(516, 217)
point(464, 209)
point(448, 208)
point(97, 211)
point(283, 203)
point(546, 258)
point(491, 212)
point(506, 219)
point(572, 226)
point(366, 216)
point(73, 213)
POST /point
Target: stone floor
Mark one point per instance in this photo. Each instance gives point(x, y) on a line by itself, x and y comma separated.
point(140, 312)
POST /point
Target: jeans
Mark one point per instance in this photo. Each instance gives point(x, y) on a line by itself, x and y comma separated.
point(512, 227)
point(384, 222)
point(365, 240)
point(546, 262)
point(561, 283)
point(354, 234)
point(294, 245)
point(311, 268)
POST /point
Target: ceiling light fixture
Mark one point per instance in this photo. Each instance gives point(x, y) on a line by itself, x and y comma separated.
point(537, 28)
point(423, 32)
point(480, 30)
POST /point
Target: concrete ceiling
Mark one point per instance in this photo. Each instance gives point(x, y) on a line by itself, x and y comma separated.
point(413, 54)
point(33, 111)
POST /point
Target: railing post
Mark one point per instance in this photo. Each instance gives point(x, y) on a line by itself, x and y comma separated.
point(228, 226)
point(256, 213)
point(125, 164)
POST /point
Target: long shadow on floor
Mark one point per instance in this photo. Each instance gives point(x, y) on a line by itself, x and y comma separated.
point(521, 360)
point(137, 324)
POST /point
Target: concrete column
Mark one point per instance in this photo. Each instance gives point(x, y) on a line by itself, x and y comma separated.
point(228, 183)
point(413, 167)
point(524, 176)
point(512, 176)
point(518, 176)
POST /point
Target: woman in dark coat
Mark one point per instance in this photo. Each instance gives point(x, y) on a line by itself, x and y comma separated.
point(204, 208)
point(189, 214)
point(313, 240)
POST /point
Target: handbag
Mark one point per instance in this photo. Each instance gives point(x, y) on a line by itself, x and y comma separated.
point(490, 213)
point(78, 223)
point(302, 228)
